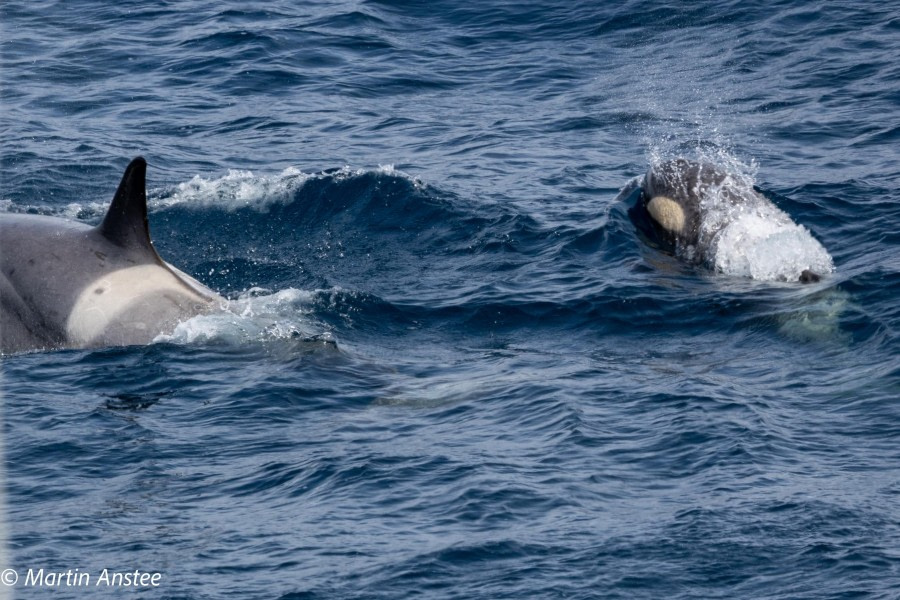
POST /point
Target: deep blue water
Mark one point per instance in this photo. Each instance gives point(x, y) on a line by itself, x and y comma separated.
point(452, 369)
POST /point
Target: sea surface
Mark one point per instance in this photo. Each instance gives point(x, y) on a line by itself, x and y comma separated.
point(450, 366)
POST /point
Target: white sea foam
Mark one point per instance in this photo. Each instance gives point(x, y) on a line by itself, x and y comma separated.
point(239, 189)
point(754, 238)
point(768, 249)
point(257, 315)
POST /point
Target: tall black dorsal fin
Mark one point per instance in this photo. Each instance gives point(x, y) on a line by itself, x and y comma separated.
point(125, 223)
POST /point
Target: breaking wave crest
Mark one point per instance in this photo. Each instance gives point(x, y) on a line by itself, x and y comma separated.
point(242, 189)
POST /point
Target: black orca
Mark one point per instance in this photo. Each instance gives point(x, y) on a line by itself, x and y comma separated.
point(677, 197)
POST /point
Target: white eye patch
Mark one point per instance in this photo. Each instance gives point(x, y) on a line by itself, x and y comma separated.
point(667, 212)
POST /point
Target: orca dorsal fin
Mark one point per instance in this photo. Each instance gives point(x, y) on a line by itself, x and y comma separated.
point(126, 223)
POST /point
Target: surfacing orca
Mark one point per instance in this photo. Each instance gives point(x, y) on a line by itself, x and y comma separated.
point(65, 284)
point(685, 206)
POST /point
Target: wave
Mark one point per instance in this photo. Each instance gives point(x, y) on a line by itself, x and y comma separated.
point(304, 255)
point(242, 189)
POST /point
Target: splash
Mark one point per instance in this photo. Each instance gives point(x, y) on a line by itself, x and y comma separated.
point(764, 244)
point(754, 238)
point(257, 316)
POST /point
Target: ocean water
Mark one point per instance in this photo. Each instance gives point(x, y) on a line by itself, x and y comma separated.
point(450, 365)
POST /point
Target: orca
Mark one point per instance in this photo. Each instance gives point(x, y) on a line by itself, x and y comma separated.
point(65, 284)
point(684, 206)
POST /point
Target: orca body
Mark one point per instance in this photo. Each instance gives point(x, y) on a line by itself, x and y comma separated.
point(65, 284)
point(685, 205)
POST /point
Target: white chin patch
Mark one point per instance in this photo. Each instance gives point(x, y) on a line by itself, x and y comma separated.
point(667, 213)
